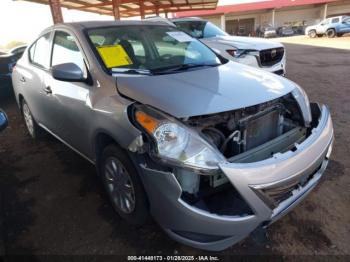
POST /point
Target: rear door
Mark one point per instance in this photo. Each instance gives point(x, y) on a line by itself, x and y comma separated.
point(30, 77)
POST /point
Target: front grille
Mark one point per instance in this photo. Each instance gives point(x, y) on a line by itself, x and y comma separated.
point(279, 194)
point(273, 196)
point(270, 57)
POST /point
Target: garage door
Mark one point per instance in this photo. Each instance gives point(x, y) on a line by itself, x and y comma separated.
point(240, 27)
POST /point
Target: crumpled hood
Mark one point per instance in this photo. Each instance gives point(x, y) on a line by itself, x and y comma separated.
point(205, 91)
point(241, 42)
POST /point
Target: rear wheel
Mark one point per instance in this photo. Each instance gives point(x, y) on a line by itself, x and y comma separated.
point(33, 128)
point(312, 34)
point(123, 185)
point(331, 33)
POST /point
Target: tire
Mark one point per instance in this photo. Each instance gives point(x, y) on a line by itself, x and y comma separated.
point(331, 33)
point(312, 34)
point(123, 185)
point(33, 128)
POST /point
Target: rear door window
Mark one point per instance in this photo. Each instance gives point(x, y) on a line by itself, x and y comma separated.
point(335, 20)
point(39, 52)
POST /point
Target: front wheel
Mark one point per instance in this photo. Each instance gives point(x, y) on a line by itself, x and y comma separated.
point(312, 34)
point(331, 33)
point(123, 185)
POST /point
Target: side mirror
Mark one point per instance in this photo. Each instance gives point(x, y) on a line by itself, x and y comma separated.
point(68, 72)
point(3, 120)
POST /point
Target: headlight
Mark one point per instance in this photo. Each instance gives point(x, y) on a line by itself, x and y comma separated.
point(304, 103)
point(236, 52)
point(176, 143)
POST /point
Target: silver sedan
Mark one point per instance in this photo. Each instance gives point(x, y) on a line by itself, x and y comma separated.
point(210, 148)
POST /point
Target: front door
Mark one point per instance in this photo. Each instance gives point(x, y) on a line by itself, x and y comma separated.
point(71, 113)
point(322, 27)
point(344, 27)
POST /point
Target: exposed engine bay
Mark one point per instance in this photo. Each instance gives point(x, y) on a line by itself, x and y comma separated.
point(246, 135)
point(238, 131)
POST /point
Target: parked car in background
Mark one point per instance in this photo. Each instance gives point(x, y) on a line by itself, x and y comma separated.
point(18, 51)
point(268, 32)
point(285, 31)
point(211, 148)
point(3, 120)
point(299, 29)
point(331, 27)
point(7, 62)
point(260, 53)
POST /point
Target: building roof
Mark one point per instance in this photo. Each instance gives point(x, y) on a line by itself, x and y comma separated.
point(130, 8)
point(272, 4)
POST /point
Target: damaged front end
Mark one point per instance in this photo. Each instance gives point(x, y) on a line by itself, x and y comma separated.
point(213, 179)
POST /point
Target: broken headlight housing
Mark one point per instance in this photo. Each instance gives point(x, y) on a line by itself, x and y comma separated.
point(176, 143)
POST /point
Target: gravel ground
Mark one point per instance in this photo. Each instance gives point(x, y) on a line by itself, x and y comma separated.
point(52, 202)
point(337, 42)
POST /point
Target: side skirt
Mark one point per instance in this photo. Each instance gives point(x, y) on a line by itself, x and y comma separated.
point(68, 145)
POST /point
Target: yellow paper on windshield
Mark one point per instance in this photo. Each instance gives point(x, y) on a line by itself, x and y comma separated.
point(114, 56)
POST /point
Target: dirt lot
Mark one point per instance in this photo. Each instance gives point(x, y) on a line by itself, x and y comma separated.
point(52, 203)
point(338, 42)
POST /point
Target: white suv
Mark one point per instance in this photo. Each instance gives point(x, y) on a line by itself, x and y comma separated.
point(257, 52)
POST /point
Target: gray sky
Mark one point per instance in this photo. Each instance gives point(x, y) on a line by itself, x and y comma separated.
point(23, 21)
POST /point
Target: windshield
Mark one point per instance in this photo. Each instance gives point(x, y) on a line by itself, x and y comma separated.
point(200, 29)
point(140, 49)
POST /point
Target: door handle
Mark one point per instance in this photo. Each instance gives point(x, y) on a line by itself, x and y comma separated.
point(22, 79)
point(48, 90)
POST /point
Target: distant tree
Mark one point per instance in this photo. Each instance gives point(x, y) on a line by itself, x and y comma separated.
point(14, 44)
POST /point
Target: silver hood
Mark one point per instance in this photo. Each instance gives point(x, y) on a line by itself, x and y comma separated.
point(205, 91)
point(241, 42)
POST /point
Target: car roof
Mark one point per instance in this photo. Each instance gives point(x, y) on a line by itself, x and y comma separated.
point(97, 24)
point(187, 19)
point(94, 24)
point(339, 16)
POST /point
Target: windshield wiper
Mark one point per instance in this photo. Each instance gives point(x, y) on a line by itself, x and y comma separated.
point(169, 69)
point(135, 71)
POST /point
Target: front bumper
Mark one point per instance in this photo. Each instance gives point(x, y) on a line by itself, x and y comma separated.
point(306, 162)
